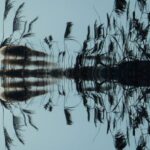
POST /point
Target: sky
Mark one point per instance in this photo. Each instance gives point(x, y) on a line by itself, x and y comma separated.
point(53, 132)
point(53, 15)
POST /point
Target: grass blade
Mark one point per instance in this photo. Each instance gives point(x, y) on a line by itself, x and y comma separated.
point(8, 7)
point(17, 18)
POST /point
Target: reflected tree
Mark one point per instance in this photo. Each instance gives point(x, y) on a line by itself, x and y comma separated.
point(117, 57)
point(111, 72)
point(15, 52)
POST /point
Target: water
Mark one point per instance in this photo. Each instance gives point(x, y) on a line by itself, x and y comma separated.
point(89, 92)
point(72, 109)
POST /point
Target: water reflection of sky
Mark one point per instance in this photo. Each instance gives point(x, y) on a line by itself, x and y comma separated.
point(53, 132)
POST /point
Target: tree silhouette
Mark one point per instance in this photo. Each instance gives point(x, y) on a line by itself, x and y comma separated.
point(113, 56)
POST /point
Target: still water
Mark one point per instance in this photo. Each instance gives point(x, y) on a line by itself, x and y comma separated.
point(90, 92)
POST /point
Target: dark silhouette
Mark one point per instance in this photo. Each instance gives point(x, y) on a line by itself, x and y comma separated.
point(114, 56)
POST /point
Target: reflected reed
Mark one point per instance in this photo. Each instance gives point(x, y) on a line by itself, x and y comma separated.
point(111, 73)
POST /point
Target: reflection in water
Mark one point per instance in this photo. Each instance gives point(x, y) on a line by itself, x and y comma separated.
point(111, 73)
point(105, 93)
point(23, 76)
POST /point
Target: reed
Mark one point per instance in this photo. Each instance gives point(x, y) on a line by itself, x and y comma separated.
point(22, 62)
point(24, 73)
point(22, 95)
point(27, 84)
point(21, 51)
